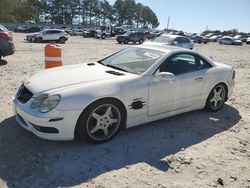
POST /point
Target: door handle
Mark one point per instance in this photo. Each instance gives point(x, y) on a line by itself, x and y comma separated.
point(198, 79)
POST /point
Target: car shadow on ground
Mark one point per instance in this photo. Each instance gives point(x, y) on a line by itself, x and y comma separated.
point(28, 160)
point(3, 62)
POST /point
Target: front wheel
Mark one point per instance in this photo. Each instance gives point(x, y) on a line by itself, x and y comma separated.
point(126, 41)
point(38, 40)
point(103, 36)
point(216, 98)
point(140, 41)
point(101, 121)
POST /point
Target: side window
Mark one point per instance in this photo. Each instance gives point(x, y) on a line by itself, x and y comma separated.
point(55, 31)
point(48, 32)
point(183, 63)
point(178, 40)
point(179, 64)
point(184, 40)
point(203, 64)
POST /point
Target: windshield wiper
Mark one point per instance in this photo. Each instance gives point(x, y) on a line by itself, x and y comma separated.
point(117, 68)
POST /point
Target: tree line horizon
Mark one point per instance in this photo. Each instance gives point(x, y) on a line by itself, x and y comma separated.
point(83, 12)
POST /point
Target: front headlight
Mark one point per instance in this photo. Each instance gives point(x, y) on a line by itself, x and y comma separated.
point(45, 103)
point(36, 103)
point(50, 103)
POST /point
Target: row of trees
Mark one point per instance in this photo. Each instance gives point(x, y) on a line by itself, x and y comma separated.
point(92, 12)
point(19, 10)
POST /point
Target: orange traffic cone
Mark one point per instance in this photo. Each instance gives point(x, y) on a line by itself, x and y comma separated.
point(53, 56)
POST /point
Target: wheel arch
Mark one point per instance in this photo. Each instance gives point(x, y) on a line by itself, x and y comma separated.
point(97, 100)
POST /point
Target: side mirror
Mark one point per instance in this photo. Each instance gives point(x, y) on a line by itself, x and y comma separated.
point(164, 76)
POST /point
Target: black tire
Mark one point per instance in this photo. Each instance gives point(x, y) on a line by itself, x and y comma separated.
point(220, 42)
point(88, 127)
point(216, 98)
point(126, 41)
point(119, 42)
point(103, 36)
point(140, 41)
point(38, 40)
point(62, 40)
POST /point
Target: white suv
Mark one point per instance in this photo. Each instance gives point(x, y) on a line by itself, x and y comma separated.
point(48, 35)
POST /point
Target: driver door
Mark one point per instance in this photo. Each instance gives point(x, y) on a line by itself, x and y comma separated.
point(162, 95)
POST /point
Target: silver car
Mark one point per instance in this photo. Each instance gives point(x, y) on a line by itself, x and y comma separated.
point(174, 40)
point(230, 41)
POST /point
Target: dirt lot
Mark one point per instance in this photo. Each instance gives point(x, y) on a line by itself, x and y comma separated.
point(196, 149)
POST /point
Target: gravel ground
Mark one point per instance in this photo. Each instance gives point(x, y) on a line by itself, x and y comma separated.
point(196, 149)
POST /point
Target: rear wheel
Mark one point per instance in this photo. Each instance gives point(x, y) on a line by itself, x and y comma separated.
point(101, 121)
point(62, 40)
point(216, 98)
point(140, 41)
point(126, 41)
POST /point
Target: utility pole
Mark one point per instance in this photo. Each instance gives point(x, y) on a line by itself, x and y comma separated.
point(168, 22)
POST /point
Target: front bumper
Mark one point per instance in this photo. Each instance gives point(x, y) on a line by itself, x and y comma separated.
point(63, 121)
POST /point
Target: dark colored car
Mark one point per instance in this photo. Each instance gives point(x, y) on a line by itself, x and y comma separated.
point(6, 42)
point(131, 37)
point(32, 30)
point(199, 39)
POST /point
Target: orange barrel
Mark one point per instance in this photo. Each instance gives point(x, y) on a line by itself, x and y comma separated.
point(53, 56)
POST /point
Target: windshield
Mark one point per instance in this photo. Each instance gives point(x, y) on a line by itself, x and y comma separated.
point(164, 39)
point(102, 28)
point(127, 33)
point(133, 60)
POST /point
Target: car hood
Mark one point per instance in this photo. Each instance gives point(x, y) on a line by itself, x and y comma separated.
point(70, 76)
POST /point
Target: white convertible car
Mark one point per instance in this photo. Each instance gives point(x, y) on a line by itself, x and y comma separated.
point(134, 86)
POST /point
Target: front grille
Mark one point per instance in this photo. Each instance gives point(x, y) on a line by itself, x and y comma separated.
point(23, 94)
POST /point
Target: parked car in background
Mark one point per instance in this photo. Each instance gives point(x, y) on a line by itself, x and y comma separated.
point(89, 33)
point(199, 39)
point(21, 29)
point(230, 41)
point(240, 37)
point(213, 38)
point(6, 42)
point(123, 29)
point(173, 40)
point(48, 35)
point(135, 86)
point(155, 33)
point(75, 32)
point(248, 40)
point(32, 30)
point(131, 36)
